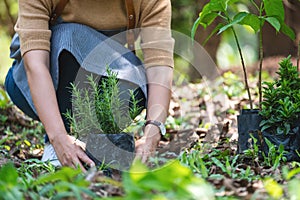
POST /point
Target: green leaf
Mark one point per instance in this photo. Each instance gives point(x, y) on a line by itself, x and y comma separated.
point(273, 188)
point(265, 127)
point(207, 19)
point(293, 189)
point(195, 27)
point(288, 31)
point(204, 170)
point(253, 21)
point(138, 171)
point(8, 175)
point(4, 99)
point(216, 6)
point(274, 22)
point(292, 173)
point(211, 10)
point(237, 18)
point(219, 164)
point(64, 174)
point(274, 8)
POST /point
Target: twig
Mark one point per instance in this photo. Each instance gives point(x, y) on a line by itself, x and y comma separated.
point(261, 54)
point(298, 56)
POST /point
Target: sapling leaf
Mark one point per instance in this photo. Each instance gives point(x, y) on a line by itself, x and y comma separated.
point(274, 22)
point(274, 8)
point(251, 20)
point(236, 19)
point(195, 27)
point(215, 6)
point(288, 31)
point(206, 20)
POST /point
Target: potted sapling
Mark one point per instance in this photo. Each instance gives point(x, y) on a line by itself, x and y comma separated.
point(271, 12)
point(280, 112)
point(101, 113)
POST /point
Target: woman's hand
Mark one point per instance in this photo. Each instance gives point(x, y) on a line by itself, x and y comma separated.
point(159, 93)
point(70, 152)
point(146, 145)
point(43, 94)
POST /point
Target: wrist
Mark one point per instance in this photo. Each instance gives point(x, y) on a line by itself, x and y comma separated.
point(56, 136)
point(152, 132)
point(160, 126)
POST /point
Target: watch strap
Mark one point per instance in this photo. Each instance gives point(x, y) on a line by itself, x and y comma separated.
point(160, 125)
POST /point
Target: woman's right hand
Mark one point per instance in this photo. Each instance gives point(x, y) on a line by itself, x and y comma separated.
point(43, 94)
point(70, 151)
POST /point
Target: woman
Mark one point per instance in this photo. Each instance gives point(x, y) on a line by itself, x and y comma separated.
point(49, 55)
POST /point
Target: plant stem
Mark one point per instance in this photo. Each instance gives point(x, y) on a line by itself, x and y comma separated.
point(244, 67)
point(261, 55)
point(298, 56)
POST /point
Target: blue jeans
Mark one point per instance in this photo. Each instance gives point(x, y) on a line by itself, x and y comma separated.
point(67, 73)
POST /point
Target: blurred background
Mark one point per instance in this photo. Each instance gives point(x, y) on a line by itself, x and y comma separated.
point(185, 12)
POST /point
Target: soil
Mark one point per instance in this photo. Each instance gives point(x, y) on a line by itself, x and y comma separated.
point(203, 118)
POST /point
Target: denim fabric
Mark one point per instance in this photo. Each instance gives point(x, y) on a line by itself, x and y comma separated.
point(74, 46)
point(92, 50)
point(16, 95)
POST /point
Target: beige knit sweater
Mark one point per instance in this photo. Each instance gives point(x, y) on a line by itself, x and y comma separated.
point(157, 43)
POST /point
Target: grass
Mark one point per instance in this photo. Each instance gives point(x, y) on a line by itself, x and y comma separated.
point(202, 171)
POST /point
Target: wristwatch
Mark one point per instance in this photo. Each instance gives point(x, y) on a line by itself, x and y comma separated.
point(160, 125)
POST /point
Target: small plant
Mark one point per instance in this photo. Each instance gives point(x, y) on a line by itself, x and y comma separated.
point(275, 155)
point(272, 158)
point(99, 107)
point(281, 104)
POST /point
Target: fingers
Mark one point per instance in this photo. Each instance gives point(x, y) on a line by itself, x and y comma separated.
point(71, 154)
point(81, 154)
point(85, 159)
point(143, 156)
point(77, 163)
point(144, 151)
point(81, 158)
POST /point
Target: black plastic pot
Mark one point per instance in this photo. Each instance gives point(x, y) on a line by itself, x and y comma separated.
point(114, 150)
point(248, 123)
point(291, 143)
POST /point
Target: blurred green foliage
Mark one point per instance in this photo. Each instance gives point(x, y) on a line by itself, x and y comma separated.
point(8, 15)
point(172, 181)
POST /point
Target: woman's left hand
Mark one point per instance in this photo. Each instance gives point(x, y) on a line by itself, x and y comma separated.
point(146, 145)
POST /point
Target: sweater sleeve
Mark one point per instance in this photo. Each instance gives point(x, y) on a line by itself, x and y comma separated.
point(156, 40)
point(33, 24)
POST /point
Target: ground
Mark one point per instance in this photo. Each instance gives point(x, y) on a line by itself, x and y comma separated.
point(203, 117)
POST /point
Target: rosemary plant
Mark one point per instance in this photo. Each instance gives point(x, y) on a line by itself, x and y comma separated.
point(99, 108)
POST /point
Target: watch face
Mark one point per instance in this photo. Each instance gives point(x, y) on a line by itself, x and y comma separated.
point(162, 129)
